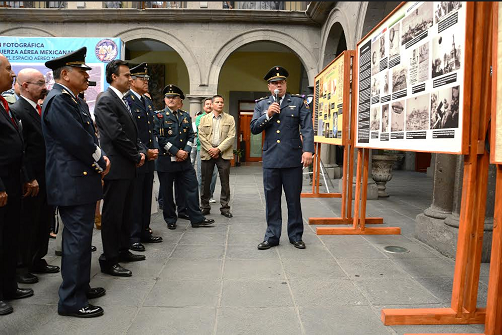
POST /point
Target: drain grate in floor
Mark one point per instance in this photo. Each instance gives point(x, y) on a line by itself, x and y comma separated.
point(394, 249)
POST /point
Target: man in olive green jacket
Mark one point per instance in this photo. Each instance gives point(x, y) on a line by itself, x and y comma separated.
point(216, 136)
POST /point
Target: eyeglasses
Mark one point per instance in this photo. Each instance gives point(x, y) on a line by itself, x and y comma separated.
point(142, 78)
point(38, 83)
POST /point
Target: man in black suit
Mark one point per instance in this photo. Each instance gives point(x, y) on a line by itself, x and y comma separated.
point(11, 155)
point(119, 138)
point(75, 165)
point(142, 110)
point(36, 213)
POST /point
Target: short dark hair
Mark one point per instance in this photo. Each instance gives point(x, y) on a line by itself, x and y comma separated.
point(57, 72)
point(216, 96)
point(206, 99)
point(113, 68)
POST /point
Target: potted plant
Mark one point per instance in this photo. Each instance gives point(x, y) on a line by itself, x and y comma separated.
point(238, 156)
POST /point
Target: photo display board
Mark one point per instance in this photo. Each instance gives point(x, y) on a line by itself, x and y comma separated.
point(410, 79)
point(496, 134)
point(331, 106)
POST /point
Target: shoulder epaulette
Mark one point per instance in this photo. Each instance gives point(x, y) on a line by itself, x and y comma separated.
point(301, 96)
point(258, 100)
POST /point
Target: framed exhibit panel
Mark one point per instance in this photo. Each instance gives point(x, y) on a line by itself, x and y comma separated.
point(496, 126)
point(410, 87)
point(331, 102)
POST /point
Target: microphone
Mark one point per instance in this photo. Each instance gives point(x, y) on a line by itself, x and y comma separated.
point(276, 94)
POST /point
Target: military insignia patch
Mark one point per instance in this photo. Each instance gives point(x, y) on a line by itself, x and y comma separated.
point(306, 104)
point(160, 115)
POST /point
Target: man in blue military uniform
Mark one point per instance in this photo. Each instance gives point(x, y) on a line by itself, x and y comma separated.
point(142, 109)
point(282, 116)
point(173, 128)
point(75, 165)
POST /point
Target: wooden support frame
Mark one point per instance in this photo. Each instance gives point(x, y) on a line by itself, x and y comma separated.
point(463, 308)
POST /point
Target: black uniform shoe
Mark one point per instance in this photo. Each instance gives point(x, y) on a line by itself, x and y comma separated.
point(227, 214)
point(130, 257)
point(205, 211)
point(96, 292)
point(27, 278)
point(20, 294)
point(46, 269)
point(184, 216)
point(152, 239)
point(299, 244)
point(137, 247)
point(93, 248)
point(171, 226)
point(5, 308)
point(203, 223)
point(88, 311)
point(117, 270)
point(266, 245)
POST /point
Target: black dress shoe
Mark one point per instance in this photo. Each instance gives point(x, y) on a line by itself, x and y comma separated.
point(20, 294)
point(152, 239)
point(27, 278)
point(117, 270)
point(299, 244)
point(46, 269)
point(227, 214)
point(203, 223)
point(96, 292)
point(205, 211)
point(266, 245)
point(93, 248)
point(88, 311)
point(5, 308)
point(137, 247)
point(171, 226)
point(184, 216)
point(130, 257)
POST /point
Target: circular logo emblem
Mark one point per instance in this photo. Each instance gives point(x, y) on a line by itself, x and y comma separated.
point(106, 50)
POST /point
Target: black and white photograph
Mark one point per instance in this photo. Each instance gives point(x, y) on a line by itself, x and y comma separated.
point(375, 57)
point(394, 38)
point(382, 46)
point(417, 113)
point(423, 62)
point(320, 127)
point(335, 124)
point(385, 118)
point(375, 85)
point(445, 108)
point(399, 78)
point(397, 116)
point(385, 82)
point(444, 8)
point(446, 54)
point(419, 20)
point(375, 118)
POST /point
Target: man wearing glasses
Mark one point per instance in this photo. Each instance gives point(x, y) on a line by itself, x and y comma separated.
point(142, 110)
point(173, 128)
point(36, 215)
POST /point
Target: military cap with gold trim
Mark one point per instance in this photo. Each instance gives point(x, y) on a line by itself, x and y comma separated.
point(140, 70)
point(73, 59)
point(276, 73)
point(173, 91)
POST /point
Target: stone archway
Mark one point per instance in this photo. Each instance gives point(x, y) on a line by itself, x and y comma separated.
point(306, 57)
point(27, 32)
point(371, 13)
point(335, 32)
point(171, 40)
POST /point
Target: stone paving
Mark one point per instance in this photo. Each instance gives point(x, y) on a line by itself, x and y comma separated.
point(215, 281)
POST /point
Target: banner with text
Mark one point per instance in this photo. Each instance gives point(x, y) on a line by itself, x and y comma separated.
point(410, 79)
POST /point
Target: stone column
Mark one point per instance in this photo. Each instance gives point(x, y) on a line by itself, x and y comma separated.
point(444, 181)
point(195, 104)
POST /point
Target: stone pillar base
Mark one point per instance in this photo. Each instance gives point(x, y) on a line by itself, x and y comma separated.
point(443, 238)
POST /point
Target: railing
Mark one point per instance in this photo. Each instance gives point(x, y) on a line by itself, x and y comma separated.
point(144, 4)
point(33, 4)
point(267, 5)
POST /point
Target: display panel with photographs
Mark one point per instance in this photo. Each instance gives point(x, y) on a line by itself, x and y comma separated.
point(410, 79)
point(330, 102)
point(496, 136)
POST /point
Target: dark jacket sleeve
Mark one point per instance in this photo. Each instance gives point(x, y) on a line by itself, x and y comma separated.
point(306, 127)
point(259, 121)
point(110, 127)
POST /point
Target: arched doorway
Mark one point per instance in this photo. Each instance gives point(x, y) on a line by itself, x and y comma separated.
point(241, 82)
point(165, 66)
